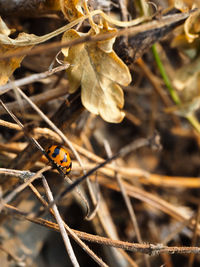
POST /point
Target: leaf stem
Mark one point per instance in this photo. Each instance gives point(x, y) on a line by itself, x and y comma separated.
point(163, 73)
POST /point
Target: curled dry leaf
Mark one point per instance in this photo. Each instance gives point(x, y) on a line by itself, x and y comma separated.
point(3, 28)
point(72, 9)
point(191, 26)
point(7, 45)
point(98, 70)
point(187, 37)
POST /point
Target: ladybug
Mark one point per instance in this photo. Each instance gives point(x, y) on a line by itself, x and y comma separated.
point(61, 157)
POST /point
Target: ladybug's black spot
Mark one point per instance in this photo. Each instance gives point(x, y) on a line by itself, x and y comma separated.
point(56, 152)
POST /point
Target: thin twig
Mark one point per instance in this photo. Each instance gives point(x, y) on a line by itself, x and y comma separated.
point(23, 175)
point(127, 202)
point(124, 11)
point(61, 225)
point(10, 125)
point(17, 190)
point(38, 98)
point(32, 78)
point(18, 261)
point(151, 249)
point(68, 229)
point(163, 22)
point(125, 197)
point(181, 226)
point(195, 235)
point(153, 200)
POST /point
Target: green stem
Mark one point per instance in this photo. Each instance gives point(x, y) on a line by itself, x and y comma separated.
point(190, 117)
point(194, 122)
point(163, 73)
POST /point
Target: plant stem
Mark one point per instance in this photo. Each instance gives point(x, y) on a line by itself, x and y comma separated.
point(193, 121)
point(163, 73)
point(190, 117)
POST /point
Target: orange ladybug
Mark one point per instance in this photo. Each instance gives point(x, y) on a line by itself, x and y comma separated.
point(61, 157)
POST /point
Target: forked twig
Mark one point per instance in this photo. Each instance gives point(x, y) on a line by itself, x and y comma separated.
point(21, 187)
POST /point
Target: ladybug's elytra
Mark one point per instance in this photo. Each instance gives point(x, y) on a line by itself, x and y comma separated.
point(61, 157)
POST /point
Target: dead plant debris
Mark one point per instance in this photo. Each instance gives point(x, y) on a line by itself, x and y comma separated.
point(116, 83)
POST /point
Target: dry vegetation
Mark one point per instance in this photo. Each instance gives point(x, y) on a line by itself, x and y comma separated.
point(117, 84)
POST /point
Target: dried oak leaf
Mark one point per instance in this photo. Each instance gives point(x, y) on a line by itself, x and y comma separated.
point(98, 70)
point(7, 45)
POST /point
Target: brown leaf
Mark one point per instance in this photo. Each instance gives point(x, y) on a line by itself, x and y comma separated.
point(98, 70)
